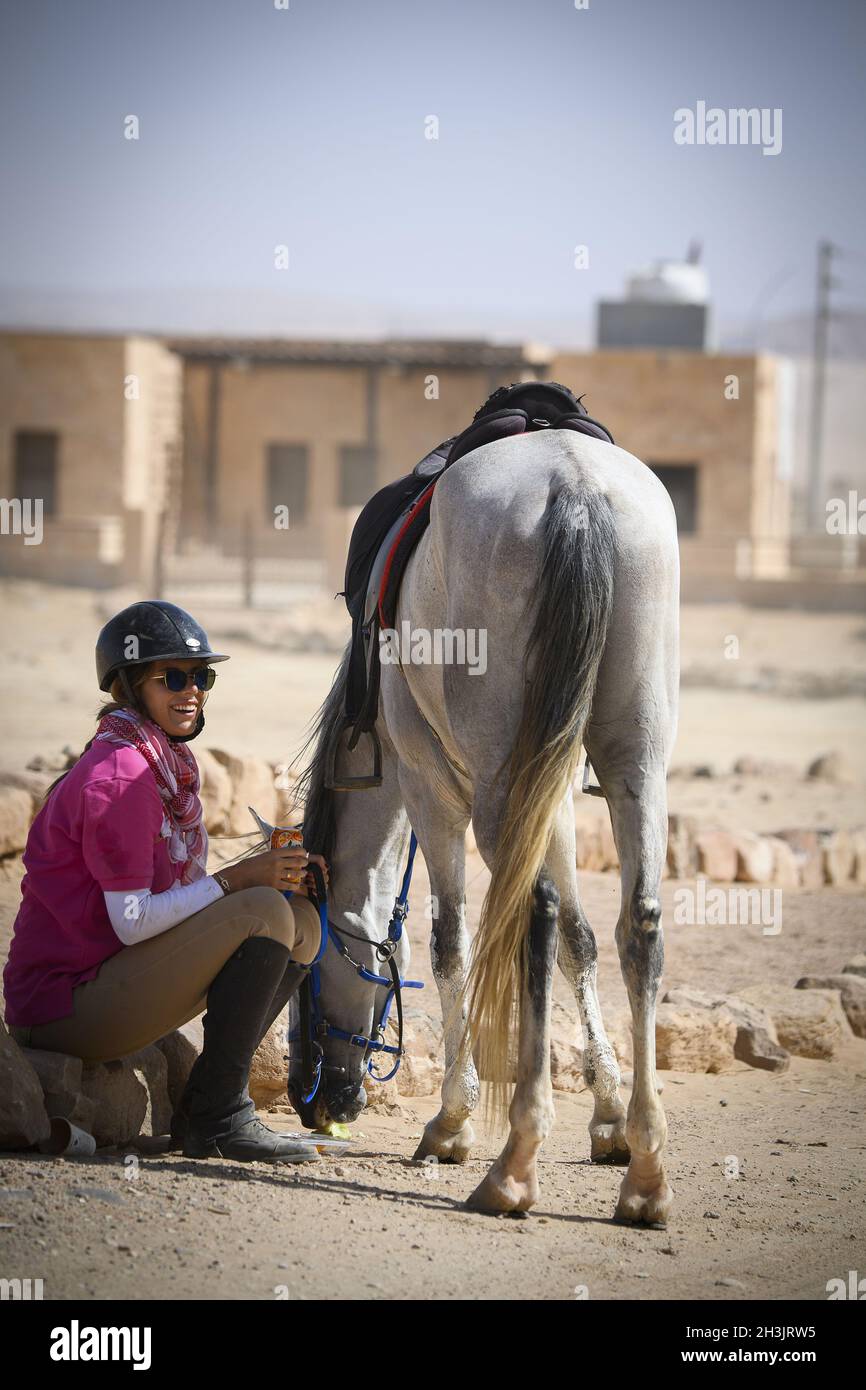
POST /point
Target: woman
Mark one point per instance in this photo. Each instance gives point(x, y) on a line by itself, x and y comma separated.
point(122, 935)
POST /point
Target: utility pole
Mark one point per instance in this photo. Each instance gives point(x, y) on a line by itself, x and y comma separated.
point(816, 511)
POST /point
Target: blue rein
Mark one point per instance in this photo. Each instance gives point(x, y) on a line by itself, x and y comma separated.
point(385, 950)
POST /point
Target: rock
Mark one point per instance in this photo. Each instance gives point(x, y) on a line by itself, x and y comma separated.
point(857, 966)
point(269, 1069)
point(748, 766)
point(252, 785)
point(73, 1106)
point(807, 852)
point(756, 1042)
point(566, 1066)
point(383, 1097)
point(16, 807)
point(838, 856)
point(756, 1047)
point(54, 763)
point(419, 1076)
point(786, 869)
point(590, 851)
point(619, 1034)
point(682, 855)
point(717, 855)
point(852, 994)
point(120, 1097)
point(566, 1052)
point(831, 767)
point(215, 792)
point(35, 784)
point(57, 1071)
point(694, 1039)
point(151, 1069)
point(858, 843)
point(180, 1050)
point(610, 857)
point(809, 1023)
point(422, 1035)
point(23, 1119)
point(754, 858)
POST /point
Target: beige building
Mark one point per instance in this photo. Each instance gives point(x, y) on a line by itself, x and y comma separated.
point(716, 430)
point(140, 446)
point(90, 431)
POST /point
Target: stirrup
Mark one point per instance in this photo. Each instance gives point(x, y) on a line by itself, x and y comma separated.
point(351, 784)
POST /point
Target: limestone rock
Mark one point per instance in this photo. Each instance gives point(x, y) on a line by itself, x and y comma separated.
point(858, 842)
point(682, 854)
point(717, 855)
point(16, 808)
point(73, 1106)
point(807, 852)
point(120, 1097)
point(590, 851)
point(786, 868)
point(57, 1071)
point(852, 993)
point(252, 782)
point(857, 966)
point(754, 858)
point(151, 1069)
point(215, 793)
point(694, 1039)
point(809, 1022)
point(420, 1076)
point(838, 856)
point(831, 767)
point(756, 1042)
point(180, 1050)
point(23, 1119)
point(269, 1068)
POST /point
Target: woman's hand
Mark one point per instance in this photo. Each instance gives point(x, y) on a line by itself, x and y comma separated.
point(285, 869)
point(308, 882)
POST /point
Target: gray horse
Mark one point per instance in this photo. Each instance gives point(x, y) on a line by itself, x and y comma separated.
point(562, 551)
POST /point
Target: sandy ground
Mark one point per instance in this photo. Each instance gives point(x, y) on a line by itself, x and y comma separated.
point(375, 1225)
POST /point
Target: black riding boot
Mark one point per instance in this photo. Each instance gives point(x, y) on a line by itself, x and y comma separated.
point(293, 977)
point(245, 997)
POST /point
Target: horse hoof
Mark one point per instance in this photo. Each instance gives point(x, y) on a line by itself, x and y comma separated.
point(498, 1196)
point(448, 1147)
point(642, 1204)
point(608, 1143)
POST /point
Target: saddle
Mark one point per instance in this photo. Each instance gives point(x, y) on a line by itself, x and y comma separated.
point(389, 528)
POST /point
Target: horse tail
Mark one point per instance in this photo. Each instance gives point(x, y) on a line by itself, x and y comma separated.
point(566, 645)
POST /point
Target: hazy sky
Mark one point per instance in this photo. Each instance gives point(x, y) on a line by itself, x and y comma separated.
point(305, 126)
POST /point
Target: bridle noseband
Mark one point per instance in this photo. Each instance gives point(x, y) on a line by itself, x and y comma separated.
point(313, 1025)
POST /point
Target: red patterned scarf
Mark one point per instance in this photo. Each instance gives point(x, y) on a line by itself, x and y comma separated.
point(177, 777)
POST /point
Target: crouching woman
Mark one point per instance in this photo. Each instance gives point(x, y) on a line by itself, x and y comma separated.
point(122, 935)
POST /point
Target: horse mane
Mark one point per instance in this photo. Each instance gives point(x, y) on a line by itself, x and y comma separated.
point(320, 821)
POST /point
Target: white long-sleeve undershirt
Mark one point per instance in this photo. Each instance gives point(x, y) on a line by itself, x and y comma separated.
point(136, 913)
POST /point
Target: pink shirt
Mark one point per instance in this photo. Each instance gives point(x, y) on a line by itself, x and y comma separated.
point(99, 830)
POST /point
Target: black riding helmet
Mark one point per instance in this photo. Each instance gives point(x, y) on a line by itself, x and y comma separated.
point(151, 630)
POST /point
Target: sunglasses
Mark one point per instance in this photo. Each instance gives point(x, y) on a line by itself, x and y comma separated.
point(176, 679)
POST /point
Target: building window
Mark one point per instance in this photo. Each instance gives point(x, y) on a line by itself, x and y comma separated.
point(357, 474)
point(286, 481)
point(681, 481)
point(36, 467)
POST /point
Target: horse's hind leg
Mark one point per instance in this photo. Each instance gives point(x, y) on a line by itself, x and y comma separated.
point(578, 961)
point(636, 794)
point(511, 1184)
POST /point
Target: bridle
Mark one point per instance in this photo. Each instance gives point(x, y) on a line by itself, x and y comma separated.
point(314, 1027)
